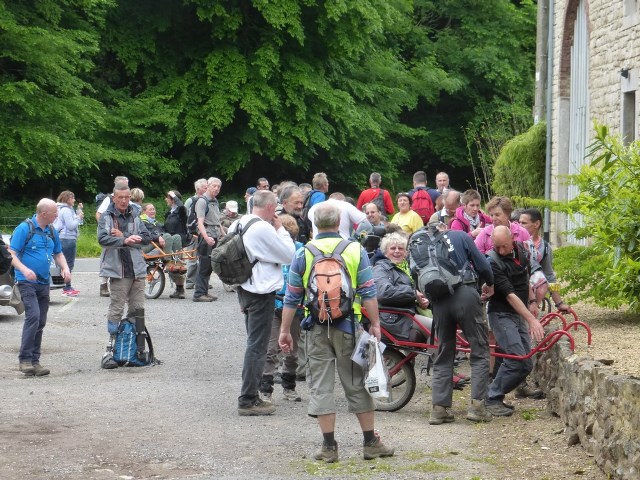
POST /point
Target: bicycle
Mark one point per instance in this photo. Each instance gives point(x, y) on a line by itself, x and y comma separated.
point(159, 264)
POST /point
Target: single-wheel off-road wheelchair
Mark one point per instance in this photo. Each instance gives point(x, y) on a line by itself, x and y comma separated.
point(399, 355)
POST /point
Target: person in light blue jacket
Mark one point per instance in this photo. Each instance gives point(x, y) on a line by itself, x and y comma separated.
point(67, 225)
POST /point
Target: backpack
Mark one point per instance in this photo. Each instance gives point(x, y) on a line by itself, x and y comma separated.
point(329, 290)
point(379, 202)
point(125, 346)
point(435, 273)
point(192, 218)
point(100, 198)
point(32, 231)
point(229, 258)
point(422, 204)
point(306, 206)
point(5, 258)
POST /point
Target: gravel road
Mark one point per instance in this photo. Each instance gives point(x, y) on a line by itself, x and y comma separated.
point(178, 420)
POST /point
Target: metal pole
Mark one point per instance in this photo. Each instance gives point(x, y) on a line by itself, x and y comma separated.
point(548, 159)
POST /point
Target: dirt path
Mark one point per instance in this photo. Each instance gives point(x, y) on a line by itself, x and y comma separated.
point(178, 420)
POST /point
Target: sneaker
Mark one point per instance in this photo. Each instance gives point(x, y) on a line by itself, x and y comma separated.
point(177, 294)
point(40, 371)
point(291, 395)
point(439, 415)
point(477, 412)
point(205, 298)
point(108, 362)
point(266, 397)
point(376, 449)
point(70, 293)
point(259, 408)
point(27, 368)
point(104, 290)
point(527, 391)
point(327, 453)
point(499, 409)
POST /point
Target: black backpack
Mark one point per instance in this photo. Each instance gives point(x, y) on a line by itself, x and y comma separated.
point(32, 231)
point(229, 258)
point(435, 273)
point(192, 218)
point(5, 258)
point(379, 202)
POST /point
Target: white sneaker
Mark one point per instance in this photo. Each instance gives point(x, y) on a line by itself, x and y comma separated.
point(266, 397)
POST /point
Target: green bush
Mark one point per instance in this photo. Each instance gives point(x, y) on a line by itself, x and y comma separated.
point(608, 270)
point(519, 169)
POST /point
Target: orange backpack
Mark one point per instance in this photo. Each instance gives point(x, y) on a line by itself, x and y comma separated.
point(329, 290)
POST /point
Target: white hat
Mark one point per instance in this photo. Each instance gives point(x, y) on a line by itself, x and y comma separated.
point(232, 206)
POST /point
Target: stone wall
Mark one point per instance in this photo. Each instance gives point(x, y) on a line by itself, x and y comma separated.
point(600, 409)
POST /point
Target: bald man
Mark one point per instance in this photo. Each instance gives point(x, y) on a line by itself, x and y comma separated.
point(33, 243)
point(513, 316)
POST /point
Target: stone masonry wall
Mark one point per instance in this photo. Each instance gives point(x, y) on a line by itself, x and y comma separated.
point(600, 409)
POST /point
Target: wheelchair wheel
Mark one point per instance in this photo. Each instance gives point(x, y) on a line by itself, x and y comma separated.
point(403, 383)
point(154, 282)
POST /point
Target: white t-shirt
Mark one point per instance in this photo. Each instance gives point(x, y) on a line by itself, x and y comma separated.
point(349, 216)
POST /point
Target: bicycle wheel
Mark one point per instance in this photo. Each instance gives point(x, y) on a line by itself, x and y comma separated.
point(154, 282)
point(402, 384)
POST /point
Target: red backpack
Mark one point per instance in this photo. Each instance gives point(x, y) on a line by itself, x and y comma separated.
point(422, 204)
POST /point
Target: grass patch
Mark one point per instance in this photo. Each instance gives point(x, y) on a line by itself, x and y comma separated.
point(88, 245)
point(529, 414)
point(430, 466)
point(415, 455)
point(350, 467)
point(489, 460)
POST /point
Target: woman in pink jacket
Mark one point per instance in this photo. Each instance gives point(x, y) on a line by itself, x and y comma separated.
point(500, 209)
point(469, 218)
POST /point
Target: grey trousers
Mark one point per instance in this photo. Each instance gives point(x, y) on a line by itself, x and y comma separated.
point(463, 309)
point(512, 334)
point(125, 291)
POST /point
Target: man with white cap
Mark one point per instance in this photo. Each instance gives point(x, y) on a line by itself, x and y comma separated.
point(229, 214)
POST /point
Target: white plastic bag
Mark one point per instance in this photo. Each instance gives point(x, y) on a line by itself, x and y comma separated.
point(377, 377)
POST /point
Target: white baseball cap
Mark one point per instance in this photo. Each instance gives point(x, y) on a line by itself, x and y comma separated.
point(232, 206)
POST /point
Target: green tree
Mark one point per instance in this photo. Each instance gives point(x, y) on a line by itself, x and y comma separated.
point(238, 86)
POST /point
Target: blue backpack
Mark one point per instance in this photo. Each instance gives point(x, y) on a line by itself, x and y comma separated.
point(125, 346)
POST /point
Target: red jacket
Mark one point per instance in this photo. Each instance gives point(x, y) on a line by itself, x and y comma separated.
point(370, 193)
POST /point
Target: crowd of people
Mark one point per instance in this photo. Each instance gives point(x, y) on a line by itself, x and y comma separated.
point(509, 261)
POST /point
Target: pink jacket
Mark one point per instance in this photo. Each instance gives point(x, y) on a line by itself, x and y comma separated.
point(484, 243)
point(460, 223)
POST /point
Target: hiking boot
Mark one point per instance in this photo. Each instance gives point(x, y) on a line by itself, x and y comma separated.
point(179, 293)
point(499, 409)
point(477, 412)
point(108, 362)
point(440, 414)
point(27, 369)
point(260, 407)
point(291, 395)
point(327, 453)
point(205, 298)
point(376, 449)
point(40, 371)
point(104, 290)
point(527, 391)
point(266, 397)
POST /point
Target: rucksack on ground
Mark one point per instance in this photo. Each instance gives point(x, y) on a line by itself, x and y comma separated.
point(435, 273)
point(329, 290)
point(422, 204)
point(229, 259)
point(192, 218)
point(379, 202)
point(125, 346)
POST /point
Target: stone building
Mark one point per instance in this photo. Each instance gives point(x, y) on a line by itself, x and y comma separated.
point(596, 61)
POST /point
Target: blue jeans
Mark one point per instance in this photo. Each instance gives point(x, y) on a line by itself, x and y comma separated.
point(258, 317)
point(463, 309)
point(69, 252)
point(35, 297)
point(512, 335)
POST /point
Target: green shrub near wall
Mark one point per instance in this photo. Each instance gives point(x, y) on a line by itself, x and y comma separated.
point(519, 169)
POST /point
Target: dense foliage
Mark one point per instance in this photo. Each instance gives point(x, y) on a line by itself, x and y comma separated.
point(519, 169)
point(608, 270)
point(167, 91)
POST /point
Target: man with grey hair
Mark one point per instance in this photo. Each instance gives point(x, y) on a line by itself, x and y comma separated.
point(442, 182)
point(451, 202)
point(268, 246)
point(33, 243)
point(377, 195)
point(292, 200)
point(209, 230)
point(200, 187)
point(330, 346)
point(121, 235)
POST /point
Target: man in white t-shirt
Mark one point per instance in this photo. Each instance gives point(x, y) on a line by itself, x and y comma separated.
point(350, 217)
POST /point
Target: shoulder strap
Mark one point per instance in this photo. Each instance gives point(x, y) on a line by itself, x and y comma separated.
point(315, 251)
point(341, 247)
